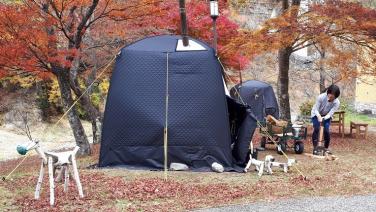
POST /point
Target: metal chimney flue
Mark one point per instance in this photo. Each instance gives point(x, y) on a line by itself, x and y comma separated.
point(184, 26)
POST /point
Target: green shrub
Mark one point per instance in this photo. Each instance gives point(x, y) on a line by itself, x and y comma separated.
point(306, 107)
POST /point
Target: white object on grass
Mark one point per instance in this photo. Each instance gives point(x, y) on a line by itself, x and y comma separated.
point(53, 160)
point(217, 167)
point(258, 164)
point(178, 167)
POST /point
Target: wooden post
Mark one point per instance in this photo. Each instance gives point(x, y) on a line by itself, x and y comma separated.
point(40, 179)
point(51, 176)
point(66, 177)
point(366, 132)
point(343, 125)
point(357, 131)
point(76, 177)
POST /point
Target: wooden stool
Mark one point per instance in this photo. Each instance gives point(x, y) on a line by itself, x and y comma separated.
point(66, 161)
point(358, 127)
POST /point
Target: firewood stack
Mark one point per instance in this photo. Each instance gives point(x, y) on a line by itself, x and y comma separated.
point(277, 125)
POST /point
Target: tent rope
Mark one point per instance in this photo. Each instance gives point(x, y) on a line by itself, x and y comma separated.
point(69, 109)
point(19, 164)
point(224, 72)
point(83, 93)
point(165, 136)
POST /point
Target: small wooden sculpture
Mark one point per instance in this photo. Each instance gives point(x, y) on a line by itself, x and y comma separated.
point(65, 161)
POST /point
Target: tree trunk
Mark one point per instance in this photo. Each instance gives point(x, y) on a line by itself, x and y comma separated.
point(93, 113)
point(85, 101)
point(322, 80)
point(74, 121)
point(322, 72)
point(283, 82)
point(284, 66)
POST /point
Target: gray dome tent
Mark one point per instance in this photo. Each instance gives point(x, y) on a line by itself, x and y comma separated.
point(259, 100)
point(259, 96)
point(145, 73)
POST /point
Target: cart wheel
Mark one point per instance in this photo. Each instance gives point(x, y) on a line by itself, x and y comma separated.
point(281, 147)
point(299, 147)
point(263, 142)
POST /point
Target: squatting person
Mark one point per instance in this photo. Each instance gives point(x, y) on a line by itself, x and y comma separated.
point(322, 111)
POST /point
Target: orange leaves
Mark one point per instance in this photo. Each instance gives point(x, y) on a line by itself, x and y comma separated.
point(335, 25)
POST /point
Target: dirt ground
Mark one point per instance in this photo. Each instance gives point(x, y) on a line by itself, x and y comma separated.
point(354, 173)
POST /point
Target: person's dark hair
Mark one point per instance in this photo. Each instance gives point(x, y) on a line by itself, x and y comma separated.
point(333, 89)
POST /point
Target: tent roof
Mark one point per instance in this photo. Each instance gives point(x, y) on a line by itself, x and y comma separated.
point(255, 83)
point(162, 43)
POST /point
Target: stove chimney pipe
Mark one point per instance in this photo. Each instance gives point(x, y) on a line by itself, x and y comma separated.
point(184, 26)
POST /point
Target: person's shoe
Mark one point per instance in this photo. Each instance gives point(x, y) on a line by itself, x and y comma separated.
point(315, 152)
point(327, 151)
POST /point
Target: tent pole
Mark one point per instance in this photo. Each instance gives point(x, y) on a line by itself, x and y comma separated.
point(165, 137)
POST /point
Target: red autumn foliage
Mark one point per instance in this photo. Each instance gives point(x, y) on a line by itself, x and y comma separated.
point(34, 40)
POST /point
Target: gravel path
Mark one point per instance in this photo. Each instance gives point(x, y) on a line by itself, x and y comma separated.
point(330, 204)
point(60, 137)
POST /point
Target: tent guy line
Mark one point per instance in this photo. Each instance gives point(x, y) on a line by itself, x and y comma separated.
point(70, 108)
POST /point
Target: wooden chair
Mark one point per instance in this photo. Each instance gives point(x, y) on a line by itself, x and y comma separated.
point(361, 128)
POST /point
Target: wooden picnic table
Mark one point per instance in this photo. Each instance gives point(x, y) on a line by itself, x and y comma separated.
point(339, 120)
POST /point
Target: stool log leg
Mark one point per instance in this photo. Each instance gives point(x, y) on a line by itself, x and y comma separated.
point(51, 176)
point(39, 183)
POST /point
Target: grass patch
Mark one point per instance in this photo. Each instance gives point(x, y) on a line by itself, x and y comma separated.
point(357, 117)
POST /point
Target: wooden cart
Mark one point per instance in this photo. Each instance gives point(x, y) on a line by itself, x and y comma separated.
point(290, 136)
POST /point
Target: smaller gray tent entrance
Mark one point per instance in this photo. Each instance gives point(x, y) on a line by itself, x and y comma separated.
point(135, 114)
point(259, 96)
point(256, 100)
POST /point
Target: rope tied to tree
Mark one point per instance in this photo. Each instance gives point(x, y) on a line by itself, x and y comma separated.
point(66, 112)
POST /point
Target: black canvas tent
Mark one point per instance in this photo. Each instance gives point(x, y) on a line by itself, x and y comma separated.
point(155, 84)
point(145, 73)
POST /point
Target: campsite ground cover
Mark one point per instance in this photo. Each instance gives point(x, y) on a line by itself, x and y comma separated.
point(118, 189)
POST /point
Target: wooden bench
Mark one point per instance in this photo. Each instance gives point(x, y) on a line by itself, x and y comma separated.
point(361, 128)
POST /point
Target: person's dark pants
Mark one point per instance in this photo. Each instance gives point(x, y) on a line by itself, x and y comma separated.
point(316, 132)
